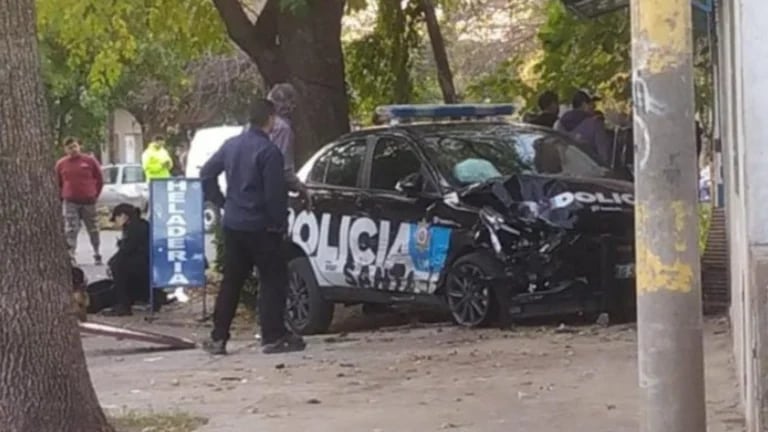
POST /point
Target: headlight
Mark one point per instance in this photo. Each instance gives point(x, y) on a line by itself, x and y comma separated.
point(496, 220)
point(491, 217)
point(493, 221)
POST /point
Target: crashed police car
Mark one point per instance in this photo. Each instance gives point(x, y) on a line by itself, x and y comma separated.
point(490, 220)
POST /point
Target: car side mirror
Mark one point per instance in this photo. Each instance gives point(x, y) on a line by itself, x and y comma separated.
point(410, 185)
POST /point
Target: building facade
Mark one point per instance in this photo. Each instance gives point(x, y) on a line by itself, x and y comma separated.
point(125, 140)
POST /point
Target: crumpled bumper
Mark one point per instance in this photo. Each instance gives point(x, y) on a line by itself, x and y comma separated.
point(601, 280)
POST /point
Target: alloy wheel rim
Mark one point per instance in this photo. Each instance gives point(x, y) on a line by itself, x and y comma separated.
point(297, 301)
point(208, 218)
point(468, 297)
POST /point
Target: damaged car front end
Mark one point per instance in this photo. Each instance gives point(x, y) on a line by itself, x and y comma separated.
point(551, 245)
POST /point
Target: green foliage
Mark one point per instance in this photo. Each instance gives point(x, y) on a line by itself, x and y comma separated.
point(578, 52)
point(502, 85)
point(95, 52)
point(575, 52)
point(705, 221)
point(379, 65)
point(581, 52)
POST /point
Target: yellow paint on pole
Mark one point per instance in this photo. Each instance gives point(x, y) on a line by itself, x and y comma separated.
point(666, 33)
point(654, 274)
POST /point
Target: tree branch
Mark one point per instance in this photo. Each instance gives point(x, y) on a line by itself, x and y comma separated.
point(258, 40)
point(239, 27)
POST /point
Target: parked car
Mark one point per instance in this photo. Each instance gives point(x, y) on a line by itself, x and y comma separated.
point(124, 183)
point(489, 219)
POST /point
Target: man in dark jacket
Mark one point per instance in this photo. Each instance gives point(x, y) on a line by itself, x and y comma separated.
point(254, 224)
point(582, 124)
point(130, 264)
point(549, 105)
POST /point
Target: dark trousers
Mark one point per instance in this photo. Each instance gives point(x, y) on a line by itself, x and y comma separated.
point(131, 283)
point(243, 250)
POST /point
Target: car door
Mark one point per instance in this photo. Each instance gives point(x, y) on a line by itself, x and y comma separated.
point(411, 248)
point(109, 194)
point(133, 187)
point(324, 232)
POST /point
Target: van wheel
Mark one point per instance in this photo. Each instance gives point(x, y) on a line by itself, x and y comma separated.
point(469, 293)
point(211, 217)
point(307, 312)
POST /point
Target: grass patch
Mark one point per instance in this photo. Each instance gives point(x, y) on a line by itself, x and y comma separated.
point(154, 422)
point(705, 220)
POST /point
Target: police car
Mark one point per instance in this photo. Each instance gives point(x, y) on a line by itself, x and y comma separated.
point(489, 219)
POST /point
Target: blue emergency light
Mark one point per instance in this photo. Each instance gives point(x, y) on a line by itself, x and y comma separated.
point(397, 113)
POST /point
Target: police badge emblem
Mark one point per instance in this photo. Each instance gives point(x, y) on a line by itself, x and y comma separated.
point(422, 236)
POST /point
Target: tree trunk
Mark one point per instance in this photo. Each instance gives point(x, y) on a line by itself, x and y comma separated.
point(444, 74)
point(303, 48)
point(44, 382)
point(393, 22)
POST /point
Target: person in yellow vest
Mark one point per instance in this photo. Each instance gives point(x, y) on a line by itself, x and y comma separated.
point(156, 160)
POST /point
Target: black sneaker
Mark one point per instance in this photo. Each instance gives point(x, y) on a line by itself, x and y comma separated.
point(288, 343)
point(215, 347)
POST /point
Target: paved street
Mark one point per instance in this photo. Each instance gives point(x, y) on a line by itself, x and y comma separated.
point(108, 248)
point(423, 378)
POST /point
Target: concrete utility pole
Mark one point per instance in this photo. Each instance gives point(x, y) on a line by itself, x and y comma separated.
point(670, 350)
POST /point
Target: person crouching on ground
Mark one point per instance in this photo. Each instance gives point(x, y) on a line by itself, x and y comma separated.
point(254, 226)
point(130, 264)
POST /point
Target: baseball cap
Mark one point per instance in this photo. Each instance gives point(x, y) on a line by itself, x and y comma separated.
point(583, 96)
point(123, 209)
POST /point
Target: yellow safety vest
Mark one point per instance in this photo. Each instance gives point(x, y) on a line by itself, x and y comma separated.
point(156, 162)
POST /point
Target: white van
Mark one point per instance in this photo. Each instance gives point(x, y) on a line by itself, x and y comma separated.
point(204, 144)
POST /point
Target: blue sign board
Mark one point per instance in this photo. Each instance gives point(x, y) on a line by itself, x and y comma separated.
point(178, 236)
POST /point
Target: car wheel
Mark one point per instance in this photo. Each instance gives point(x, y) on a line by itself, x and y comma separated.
point(210, 217)
point(307, 312)
point(470, 296)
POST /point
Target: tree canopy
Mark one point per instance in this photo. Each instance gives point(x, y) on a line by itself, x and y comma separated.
point(573, 52)
point(94, 53)
point(153, 55)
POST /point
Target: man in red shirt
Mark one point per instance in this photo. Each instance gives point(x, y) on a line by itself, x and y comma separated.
point(80, 184)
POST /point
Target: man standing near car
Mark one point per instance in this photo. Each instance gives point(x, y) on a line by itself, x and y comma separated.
point(283, 96)
point(583, 124)
point(80, 183)
point(254, 225)
point(549, 104)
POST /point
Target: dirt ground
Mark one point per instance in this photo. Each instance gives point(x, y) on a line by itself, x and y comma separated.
point(406, 378)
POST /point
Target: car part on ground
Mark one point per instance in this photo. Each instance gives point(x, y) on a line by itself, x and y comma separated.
point(121, 333)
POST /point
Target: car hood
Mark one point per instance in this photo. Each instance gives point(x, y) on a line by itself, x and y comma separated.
point(589, 205)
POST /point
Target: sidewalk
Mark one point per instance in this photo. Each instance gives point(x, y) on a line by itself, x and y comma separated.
point(408, 380)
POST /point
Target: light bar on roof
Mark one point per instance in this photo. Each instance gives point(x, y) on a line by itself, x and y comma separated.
point(399, 112)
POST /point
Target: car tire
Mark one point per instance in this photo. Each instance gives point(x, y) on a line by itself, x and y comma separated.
point(307, 311)
point(211, 217)
point(626, 312)
point(471, 301)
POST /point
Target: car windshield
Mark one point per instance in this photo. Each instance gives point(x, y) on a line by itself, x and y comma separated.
point(473, 153)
